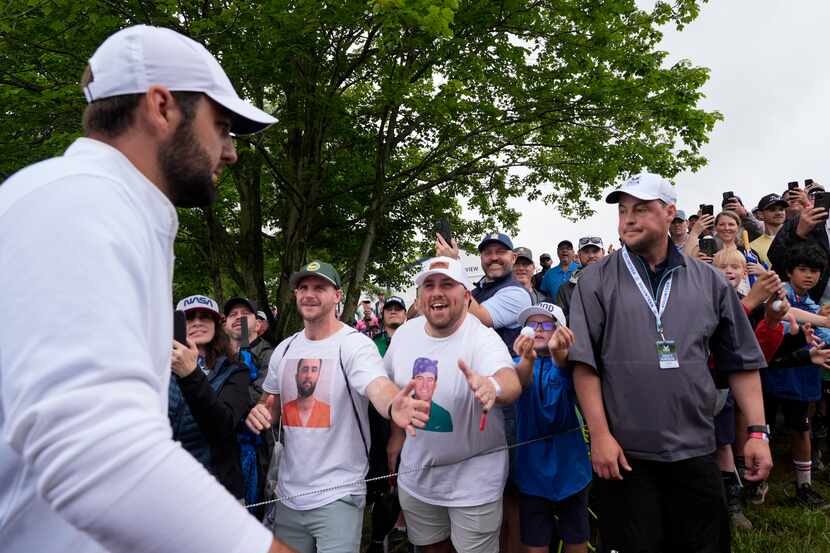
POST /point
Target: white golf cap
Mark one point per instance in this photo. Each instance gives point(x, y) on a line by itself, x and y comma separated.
point(544, 308)
point(645, 186)
point(199, 302)
point(136, 58)
point(447, 266)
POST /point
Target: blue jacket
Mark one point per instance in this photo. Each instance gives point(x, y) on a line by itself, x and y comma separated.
point(558, 467)
point(797, 383)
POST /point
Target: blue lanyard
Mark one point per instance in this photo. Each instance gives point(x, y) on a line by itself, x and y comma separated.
point(664, 297)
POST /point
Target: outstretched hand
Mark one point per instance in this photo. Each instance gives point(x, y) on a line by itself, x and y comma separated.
point(481, 386)
point(407, 412)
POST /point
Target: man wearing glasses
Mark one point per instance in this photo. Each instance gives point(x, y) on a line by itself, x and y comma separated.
point(590, 251)
point(555, 473)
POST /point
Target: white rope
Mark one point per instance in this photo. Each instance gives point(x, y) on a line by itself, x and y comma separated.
point(365, 481)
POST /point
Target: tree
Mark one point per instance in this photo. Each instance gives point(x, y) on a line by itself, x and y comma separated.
point(391, 114)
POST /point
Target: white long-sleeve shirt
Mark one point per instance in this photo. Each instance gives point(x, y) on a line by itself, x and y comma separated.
point(87, 463)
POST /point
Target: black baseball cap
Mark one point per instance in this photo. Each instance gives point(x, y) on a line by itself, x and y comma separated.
point(771, 200)
point(565, 244)
point(394, 300)
point(239, 300)
point(524, 252)
point(544, 256)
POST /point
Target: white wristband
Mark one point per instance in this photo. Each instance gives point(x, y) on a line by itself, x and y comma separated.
point(495, 385)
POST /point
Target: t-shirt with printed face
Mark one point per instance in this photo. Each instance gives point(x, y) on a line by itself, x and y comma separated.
point(323, 446)
point(452, 433)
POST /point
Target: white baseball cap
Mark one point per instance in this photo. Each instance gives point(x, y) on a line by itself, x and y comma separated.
point(645, 186)
point(199, 302)
point(136, 58)
point(448, 266)
point(544, 308)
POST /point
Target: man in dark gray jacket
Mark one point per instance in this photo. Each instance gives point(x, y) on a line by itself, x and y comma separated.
point(646, 319)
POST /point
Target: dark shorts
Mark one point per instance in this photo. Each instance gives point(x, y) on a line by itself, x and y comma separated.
point(541, 520)
point(660, 507)
point(795, 413)
point(725, 423)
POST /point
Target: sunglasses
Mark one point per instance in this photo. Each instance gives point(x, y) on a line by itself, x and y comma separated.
point(543, 325)
point(589, 240)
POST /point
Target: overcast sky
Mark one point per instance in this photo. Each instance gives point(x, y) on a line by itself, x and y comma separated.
point(770, 78)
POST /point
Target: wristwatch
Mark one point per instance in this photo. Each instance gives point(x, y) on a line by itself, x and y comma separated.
point(758, 431)
point(495, 385)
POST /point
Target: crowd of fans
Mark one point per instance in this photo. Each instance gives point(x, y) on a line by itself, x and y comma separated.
point(770, 313)
point(485, 417)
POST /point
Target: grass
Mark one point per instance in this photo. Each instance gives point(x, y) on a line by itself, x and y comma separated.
point(780, 525)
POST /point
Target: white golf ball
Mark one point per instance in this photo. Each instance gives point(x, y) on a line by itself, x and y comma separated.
point(529, 332)
point(777, 305)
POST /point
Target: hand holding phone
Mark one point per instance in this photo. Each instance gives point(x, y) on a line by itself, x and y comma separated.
point(180, 327)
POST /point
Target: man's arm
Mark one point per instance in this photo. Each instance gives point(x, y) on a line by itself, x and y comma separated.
point(746, 387)
point(405, 411)
point(606, 454)
point(480, 312)
point(88, 423)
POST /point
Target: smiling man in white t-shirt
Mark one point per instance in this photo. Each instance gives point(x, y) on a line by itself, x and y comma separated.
point(321, 472)
point(455, 501)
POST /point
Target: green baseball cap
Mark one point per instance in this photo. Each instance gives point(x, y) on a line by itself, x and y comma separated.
point(316, 268)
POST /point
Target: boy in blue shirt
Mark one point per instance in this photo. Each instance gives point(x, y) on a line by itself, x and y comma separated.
point(793, 388)
point(552, 474)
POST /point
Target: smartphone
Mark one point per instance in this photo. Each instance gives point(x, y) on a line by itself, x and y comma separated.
point(180, 327)
point(244, 340)
point(443, 228)
point(822, 199)
point(707, 209)
point(728, 196)
point(707, 245)
point(792, 185)
point(807, 182)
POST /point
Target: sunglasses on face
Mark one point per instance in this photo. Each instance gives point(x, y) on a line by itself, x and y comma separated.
point(546, 325)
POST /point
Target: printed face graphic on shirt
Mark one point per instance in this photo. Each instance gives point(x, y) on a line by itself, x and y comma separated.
point(308, 373)
point(307, 393)
point(425, 374)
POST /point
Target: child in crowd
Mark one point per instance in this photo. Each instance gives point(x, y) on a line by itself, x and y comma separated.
point(553, 474)
point(792, 388)
point(770, 333)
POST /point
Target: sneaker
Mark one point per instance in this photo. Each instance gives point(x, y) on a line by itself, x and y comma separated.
point(739, 520)
point(810, 497)
point(756, 492)
point(733, 503)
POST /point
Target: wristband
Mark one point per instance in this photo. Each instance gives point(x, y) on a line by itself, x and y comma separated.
point(759, 436)
point(389, 411)
point(495, 385)
point(755, 428)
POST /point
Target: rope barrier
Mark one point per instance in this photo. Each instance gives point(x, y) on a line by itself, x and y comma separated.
point(365, 481)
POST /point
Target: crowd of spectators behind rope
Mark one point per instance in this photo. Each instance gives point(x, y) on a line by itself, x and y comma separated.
point(644, 379)
point(774, 257)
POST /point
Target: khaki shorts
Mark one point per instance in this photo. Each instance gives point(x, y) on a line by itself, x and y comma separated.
point(471, 529)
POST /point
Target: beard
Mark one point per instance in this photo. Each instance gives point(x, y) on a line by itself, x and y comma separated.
point(305, 391)
point(186, 167)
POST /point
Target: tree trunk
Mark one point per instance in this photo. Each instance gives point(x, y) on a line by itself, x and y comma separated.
point(214, 247)
point(248, 180)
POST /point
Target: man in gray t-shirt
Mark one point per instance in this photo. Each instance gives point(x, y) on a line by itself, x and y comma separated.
point(646, 320)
